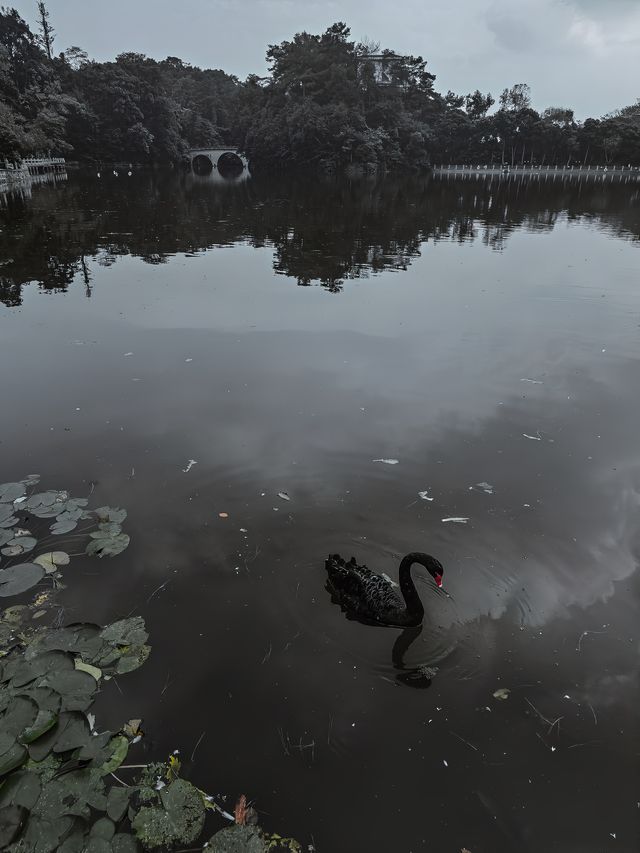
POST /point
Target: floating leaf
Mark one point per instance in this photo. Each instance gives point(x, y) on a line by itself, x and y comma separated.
point(502, 693)
point(6, 511)
point(284, 496)
point(19, 578)
point(87, 667)
point(64, 526)
point(117, 803)
point(12, 550)
point(28, 671)
point(27, 543)
point(132, 660)
point(12, 758)
point(108, 546)
point(10, 491)
point(76, 688)
point(238, 839)
point(45, 721)
point(123, 843)
point(119, 746)
point(52, 560)
point(126, 632)
point(12, 820)
point(179, 818)
point(21, 789)
point(109, 513)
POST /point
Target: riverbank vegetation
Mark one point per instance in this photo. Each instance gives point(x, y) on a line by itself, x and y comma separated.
point(59, 789)
point(327, 100)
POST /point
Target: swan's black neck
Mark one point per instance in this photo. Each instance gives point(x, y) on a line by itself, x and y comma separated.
point(407, 586)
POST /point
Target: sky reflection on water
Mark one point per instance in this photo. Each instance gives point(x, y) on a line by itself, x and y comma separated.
point(454, 321)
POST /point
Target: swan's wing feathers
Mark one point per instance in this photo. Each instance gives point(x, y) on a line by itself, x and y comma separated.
point(361, 589)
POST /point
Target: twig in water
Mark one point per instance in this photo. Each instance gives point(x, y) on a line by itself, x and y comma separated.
point(595, 719)
point(555, 722)
point(132, 766)
point(329, 730)
point(166, 684)
point(162, 586)
point(115, 681)
point(463, 740)
point(285, 745)
point(585, 634)
point(124, 784)
point(198, 742)
point(267, 655)
point(541, 716)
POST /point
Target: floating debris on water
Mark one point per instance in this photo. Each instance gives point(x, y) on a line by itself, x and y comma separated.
point(487, 488)
point(456, 519)
point(532, 437)
point(425, 496)
point(387, 461)
point(533, 381)
point(284, 496)
point(502, 693)
point(190, 465)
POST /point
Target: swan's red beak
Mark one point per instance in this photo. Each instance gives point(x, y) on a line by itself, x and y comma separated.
point(438, 579)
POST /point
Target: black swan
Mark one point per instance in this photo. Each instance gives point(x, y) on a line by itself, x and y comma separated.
point(371, 598)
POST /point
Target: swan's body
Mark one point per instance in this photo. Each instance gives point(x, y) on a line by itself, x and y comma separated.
point(371, 598)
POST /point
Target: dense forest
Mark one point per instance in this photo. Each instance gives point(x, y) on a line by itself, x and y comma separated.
point(327, 101)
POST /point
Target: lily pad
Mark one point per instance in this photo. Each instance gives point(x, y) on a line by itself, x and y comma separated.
point(108, 546)
point(119, 747)
point(51, 560)
point(6, 511)
point(126, 632)
point(27, 543)
point(66, 525)
point(12, 550)
point(21, 789)
point(87, 667)
point(19, 578)
point(180, 817)
point(10, 491)
point(109, 513)
point(238, 839)
point(12, 821)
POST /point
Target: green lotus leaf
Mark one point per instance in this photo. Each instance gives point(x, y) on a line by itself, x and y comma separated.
point(19, 578)
point(21, 789)
point(119, 747)
point(12, 821)
point(51, 560)
point(126, 632)
point(180, 817)
point(117, 803)
point(10, 491)
point(108, 546)
point(65, 525)
point(109, 513)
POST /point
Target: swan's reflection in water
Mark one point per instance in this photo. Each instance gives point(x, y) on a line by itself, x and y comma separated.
point(418, 677)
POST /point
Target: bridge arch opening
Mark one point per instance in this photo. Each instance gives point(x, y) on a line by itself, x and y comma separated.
point(229, 164)
point(202, 165)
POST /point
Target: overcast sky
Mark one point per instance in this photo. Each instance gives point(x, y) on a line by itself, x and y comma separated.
point(579, 53)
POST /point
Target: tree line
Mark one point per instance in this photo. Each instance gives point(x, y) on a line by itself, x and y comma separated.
point(322, 230)
point(327, 101)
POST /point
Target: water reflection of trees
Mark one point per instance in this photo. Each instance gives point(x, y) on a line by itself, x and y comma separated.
point(323, 232)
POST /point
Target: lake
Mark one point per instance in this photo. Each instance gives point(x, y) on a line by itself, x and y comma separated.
point(187, 348)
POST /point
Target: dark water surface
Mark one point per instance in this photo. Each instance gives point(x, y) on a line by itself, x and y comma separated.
point(479, 333)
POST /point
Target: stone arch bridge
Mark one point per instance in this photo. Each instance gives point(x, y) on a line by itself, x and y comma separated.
point(203, 160)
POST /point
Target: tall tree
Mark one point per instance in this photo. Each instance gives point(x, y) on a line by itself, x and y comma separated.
point(47, 33)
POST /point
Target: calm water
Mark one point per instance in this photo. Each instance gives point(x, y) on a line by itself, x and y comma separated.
point(285, 335)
